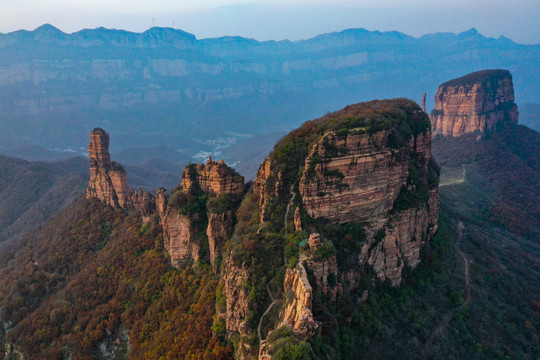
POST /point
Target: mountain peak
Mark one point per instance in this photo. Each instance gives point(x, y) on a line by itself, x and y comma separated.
point(469, 33)
point(48, 28)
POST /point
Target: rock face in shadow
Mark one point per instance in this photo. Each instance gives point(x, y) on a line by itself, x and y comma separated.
point(480, 102)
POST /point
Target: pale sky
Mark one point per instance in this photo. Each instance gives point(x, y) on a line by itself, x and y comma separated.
point(280, 19)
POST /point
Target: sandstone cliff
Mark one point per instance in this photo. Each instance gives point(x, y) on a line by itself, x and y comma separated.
point(478, 102)
point(364, 179)
point(214, 178)
point(180, 236)
point(187, 217)
point(220, 228)
point(299, 303)
point(359, 177)
point(108, 180)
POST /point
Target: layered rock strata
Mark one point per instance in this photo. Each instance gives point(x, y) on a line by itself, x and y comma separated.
point(322, 271)
point(108, 180)
point(220, 228)
point(361, 182)
point(182, 232)
point(478, 102)
point(297, 313)
point(214, 178)
point(180, 235)
point(236, 293)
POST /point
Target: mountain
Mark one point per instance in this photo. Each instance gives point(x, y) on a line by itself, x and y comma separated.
point(481, 138)
point(490, 182)
point(346, 242)
point(32, 192)
point(236, 242)
point(164, 87)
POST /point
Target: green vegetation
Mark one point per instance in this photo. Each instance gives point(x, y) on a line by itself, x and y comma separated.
point(188, 204)
point(219, 204)
point(480, 77)
point(285, 345)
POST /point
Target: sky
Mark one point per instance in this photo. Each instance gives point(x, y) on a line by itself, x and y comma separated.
point(518, 20)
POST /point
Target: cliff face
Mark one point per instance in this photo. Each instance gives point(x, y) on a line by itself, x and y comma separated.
point(237, 306)
point(478, 102)
point(214, 178)
point(180, 234)
point(364, 189)
point(358, 177)
point(189, 217)
point(220, 228)
point(108, 180)
point(297, 314)
point(357, 182)
point(322, 271)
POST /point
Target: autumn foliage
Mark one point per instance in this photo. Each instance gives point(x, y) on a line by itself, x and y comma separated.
point(92, 276)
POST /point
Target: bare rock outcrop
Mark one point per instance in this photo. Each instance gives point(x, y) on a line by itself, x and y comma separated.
point(359, 177)
point(298, 309)
point(108, 180)
point(323, 271)
point(180, 238)
point(214, 178)
point(236, 292)
point(182, 233)
point(220, 228)
point(297, 220)
point(480, 102)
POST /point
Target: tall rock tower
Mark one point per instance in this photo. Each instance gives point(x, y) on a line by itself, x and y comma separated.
point(108, 180)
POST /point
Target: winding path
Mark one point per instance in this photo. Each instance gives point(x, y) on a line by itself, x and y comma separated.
point(428, 347)
point(267, 310)
point(291, 191)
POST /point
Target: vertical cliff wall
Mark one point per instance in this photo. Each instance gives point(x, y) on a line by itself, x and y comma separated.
point(108, 180)
point(201, 209)
point(214, 178)
point(369, 164)
point(359, 177)
point(480, 102)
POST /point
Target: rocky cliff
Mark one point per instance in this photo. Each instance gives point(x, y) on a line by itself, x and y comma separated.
point(220, 228)
point(298, 309)
point(480, 102)
point(108, 179)
point(201, 209)
point(367, 177)
point(363, 183)
point(214, 178)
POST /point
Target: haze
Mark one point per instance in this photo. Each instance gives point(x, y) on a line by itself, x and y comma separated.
point(277, 19)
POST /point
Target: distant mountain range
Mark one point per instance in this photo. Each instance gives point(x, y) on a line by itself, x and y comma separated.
point(165, 87)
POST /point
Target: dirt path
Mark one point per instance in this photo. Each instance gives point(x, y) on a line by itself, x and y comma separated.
point(466, 266)
point(428, 347)
point(267, 310)
point(291, 191)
